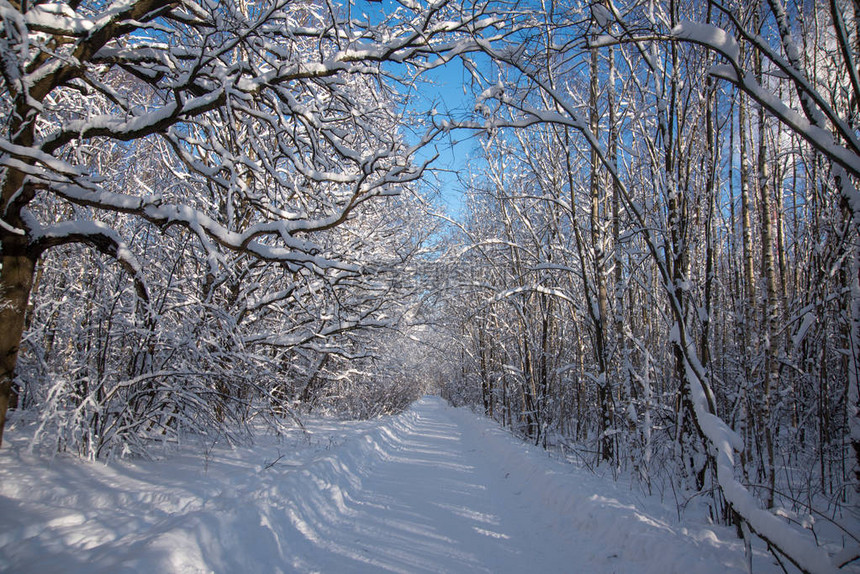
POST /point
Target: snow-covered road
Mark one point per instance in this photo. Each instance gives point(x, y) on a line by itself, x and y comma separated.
point(435, 489)
point(433, 503)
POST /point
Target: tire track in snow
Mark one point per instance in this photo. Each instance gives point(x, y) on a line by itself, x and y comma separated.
point(427, 507)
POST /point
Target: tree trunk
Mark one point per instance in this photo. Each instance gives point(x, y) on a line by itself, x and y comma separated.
point(772, 300)
point(18, 259)
point(747, 292)
point(16, 281)
point(601, 316)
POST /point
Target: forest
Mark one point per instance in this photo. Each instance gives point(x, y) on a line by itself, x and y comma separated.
point(217, 214)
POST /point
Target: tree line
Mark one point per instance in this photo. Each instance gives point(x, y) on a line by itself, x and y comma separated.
point(657, 266)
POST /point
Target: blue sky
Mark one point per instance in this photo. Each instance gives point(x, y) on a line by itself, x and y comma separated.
point(446, 95)
point(443, 92)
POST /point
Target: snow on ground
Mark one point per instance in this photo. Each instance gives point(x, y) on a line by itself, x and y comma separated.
point(435, 489)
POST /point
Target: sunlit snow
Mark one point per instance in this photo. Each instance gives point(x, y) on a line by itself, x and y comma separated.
point(435, 489)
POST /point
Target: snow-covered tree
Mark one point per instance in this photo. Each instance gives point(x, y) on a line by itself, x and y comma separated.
point(734, 235)
point(270, 124)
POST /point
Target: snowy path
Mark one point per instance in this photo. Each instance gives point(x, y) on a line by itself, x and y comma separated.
point(435, 505)
point(433, 490)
